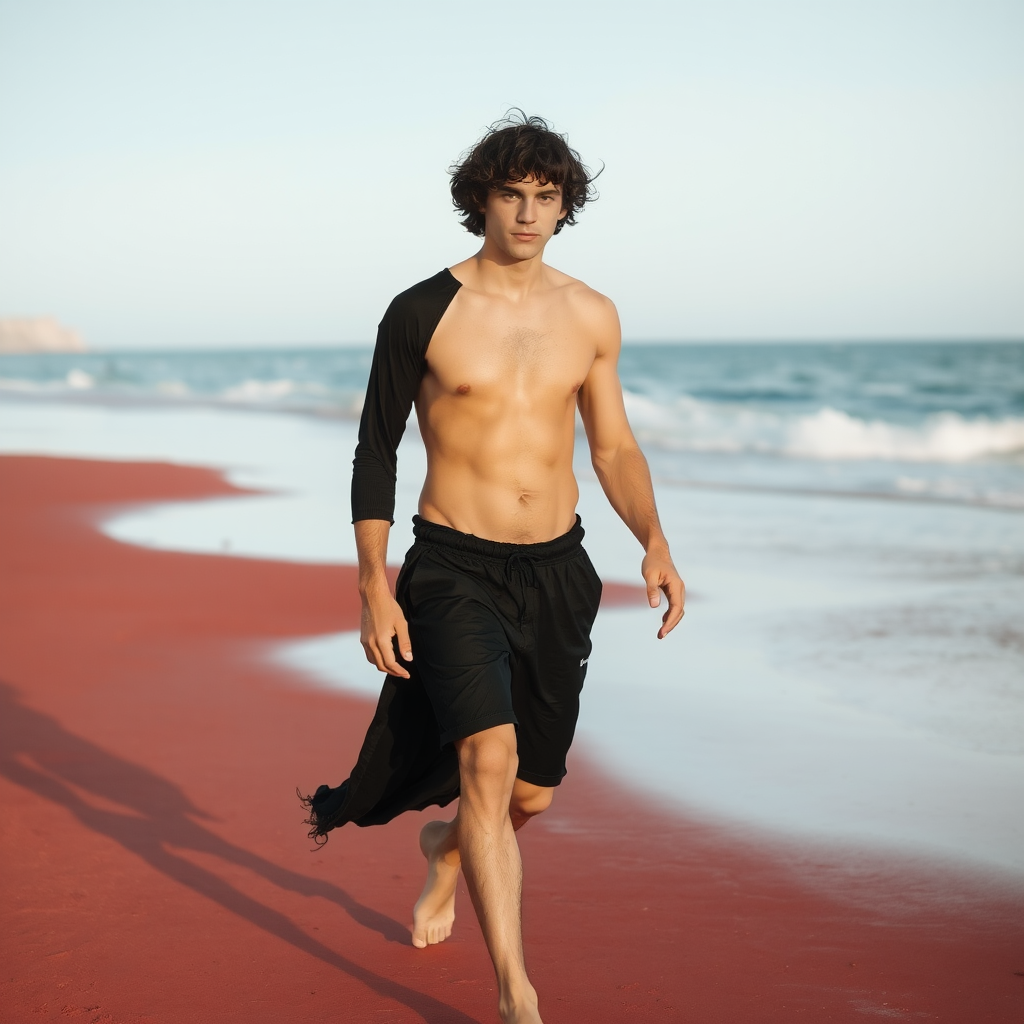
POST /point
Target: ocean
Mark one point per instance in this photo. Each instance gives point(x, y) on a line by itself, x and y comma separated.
point(942, 420)
point(849, 519)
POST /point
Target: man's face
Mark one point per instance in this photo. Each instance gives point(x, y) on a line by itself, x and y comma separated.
point(521, 216)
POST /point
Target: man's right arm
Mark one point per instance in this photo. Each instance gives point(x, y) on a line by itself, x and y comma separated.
point(399, 360)
point(382, 618)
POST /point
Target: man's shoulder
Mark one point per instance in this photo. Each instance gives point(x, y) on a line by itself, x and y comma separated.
point(586, 303)
point(591, 313)
point(425, 297)
point(575, 290)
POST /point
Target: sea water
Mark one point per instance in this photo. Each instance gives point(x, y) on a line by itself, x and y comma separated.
point(939, 420)
point(849, 519)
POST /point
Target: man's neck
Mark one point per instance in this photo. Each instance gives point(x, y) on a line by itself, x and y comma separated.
point(494, 271)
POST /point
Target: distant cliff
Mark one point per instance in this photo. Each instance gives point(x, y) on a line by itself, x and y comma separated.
point(38, 334)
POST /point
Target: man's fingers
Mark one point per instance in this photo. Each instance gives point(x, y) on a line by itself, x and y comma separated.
point(385, 635)
point(393, 668)
point(675, 592)
point(404, 643)
point(377, 655)
point(384, 658)
point(653, 589)
point(391, 664)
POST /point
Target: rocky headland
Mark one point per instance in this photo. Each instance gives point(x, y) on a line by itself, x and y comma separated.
point(37, 334)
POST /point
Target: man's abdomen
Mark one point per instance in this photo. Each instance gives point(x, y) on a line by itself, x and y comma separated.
point(499, 460)
point(476, 504)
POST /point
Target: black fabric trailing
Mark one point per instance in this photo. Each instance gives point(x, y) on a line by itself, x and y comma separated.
point(401, 767)
point(317, 832)
point(399, 362)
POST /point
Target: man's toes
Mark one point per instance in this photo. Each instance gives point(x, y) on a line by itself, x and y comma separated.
point(438, 933)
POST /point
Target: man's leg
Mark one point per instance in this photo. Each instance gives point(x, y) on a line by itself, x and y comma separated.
point(434, 912)
point(493, 805)
point(491, 863)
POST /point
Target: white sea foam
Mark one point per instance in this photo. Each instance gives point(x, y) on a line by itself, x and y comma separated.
point(252, 390)
point(946, 437)
point(80, 380)
point(688, 424)
point(268, 394)
point(72, 381)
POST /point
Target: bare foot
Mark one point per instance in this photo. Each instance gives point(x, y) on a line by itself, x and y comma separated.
point(434, 913)
point(520, 1011)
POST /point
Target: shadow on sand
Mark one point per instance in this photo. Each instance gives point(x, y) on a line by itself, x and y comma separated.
point(36, 752)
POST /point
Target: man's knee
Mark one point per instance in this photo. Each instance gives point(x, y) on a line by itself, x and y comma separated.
point(528, 801)
point(489, 755)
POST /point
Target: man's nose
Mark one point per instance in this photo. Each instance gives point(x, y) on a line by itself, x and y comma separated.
point(527, 212)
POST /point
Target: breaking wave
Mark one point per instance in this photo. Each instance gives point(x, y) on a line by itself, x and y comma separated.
point(691, 425)
point(282, 393)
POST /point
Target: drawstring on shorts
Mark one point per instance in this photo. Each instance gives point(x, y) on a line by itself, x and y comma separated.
point(523, 566)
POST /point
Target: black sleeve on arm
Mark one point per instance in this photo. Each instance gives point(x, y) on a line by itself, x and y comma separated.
point(399, 361)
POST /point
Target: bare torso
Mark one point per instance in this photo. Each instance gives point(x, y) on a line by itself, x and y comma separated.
point(497, 408)
point(517, 351)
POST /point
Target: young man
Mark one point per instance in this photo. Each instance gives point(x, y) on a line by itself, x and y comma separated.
point(487, 639)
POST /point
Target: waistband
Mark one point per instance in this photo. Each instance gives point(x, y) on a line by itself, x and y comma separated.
point(546, 552)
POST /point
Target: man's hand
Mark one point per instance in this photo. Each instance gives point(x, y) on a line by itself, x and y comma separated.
point(660, 574)
point(382, 620)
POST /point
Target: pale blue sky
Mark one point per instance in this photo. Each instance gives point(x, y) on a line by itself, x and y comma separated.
point(231, 173)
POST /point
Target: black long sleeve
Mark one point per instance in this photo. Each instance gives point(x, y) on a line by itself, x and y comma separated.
point(399, 362)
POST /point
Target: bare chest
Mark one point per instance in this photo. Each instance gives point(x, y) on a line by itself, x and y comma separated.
point(484, 351)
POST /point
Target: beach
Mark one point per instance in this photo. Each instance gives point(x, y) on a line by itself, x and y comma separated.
point(156, 869)
point(805, 224)
point(817, 823)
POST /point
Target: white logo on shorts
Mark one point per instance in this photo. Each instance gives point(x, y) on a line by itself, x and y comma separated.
point(583, 661)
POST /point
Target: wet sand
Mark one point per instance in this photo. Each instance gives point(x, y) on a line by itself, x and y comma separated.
point(155, 867)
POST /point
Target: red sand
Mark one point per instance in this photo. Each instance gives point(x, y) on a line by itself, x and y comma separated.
point(155, 868)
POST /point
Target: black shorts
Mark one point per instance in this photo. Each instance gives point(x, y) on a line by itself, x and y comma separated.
point(501, 635)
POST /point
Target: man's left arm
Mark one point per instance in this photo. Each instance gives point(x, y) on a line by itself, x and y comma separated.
point(621, 467)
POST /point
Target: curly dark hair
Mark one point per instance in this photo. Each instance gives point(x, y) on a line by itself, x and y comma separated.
point(515, 148)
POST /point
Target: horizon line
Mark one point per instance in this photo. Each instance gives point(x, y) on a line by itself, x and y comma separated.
point(254, 346)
